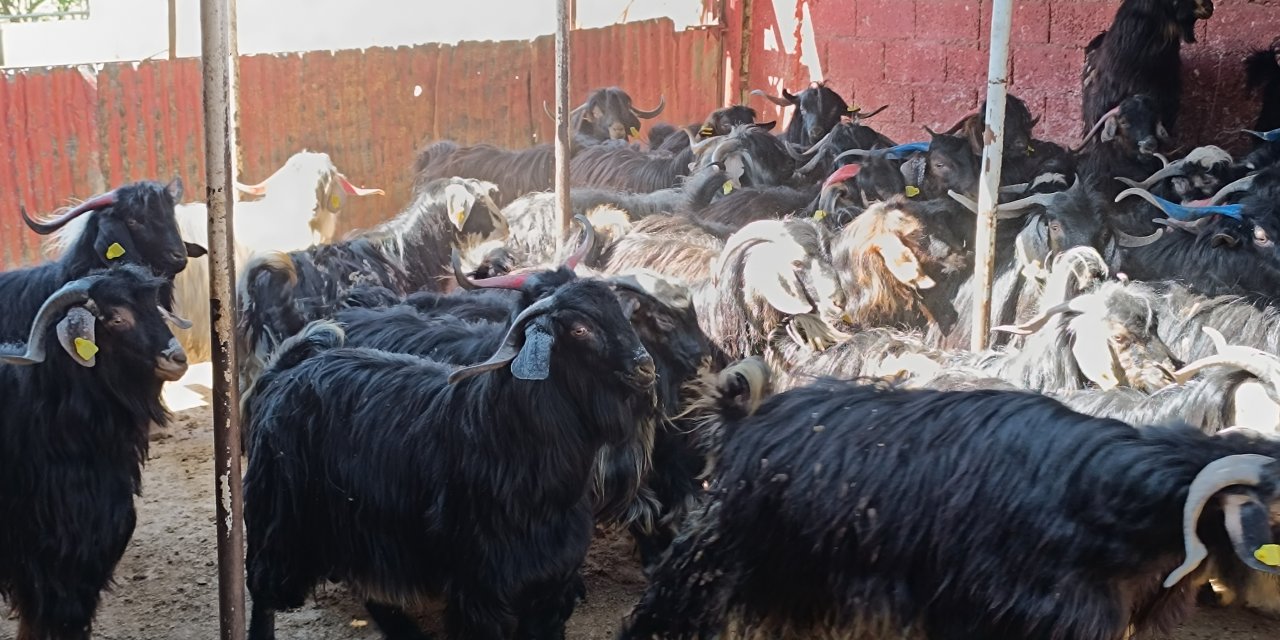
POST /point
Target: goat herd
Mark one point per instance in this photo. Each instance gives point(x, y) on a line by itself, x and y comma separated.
point(748, 355)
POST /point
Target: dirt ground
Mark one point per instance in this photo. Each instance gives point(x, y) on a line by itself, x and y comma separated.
point(166, 583)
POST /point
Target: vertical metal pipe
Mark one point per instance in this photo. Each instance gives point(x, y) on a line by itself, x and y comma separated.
point(215, 46)
point(563, 18)
point(173, 29)
point(989, 177)
point(233, 96)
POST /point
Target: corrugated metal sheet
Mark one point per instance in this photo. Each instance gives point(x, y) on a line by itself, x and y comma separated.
point(73, 132)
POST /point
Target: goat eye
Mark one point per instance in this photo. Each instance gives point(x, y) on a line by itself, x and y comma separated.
point(1260, 236)
point(580, 331)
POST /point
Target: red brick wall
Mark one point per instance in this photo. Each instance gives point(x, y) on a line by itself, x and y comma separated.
point(928, 59)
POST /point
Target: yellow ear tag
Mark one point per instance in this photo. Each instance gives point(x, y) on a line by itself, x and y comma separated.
point(1031, 151)
point(635, 133)
point(114, 251)
point(728, 186)
point(819, 215)
point(461, 216)
point(912, 191)
point(1268, 554)
point(707, 131)
point(335, 202)
point(853, 108)
point(86, 349)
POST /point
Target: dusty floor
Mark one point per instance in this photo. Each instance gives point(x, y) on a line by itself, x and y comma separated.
point(167, 587)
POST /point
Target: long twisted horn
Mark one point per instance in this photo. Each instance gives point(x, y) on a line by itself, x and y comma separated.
point(49, 226)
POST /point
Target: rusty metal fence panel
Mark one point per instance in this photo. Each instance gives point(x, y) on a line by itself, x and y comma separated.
point(72, 132)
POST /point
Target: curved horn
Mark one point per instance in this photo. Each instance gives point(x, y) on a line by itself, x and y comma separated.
point(1266, 136)
point(1181, 211)
point(512, 281)
point(652, 113)
point(588, 239)
point(904, 149)
point(71, 294)
point(1194, 228)
point(1232, 188)
point(697, 145)
point(853, 153)
point(353, 190)
point(1015, 188)
point(813, 163)
point(1262, 365)
point(49, 226)
point(1126, 240)
point(1033, 325)
point(1170, 170)
point(1008, 210)
point(259, 189)
point(781, 102)
point(819, 143)
point(956, 127)
point(1097, 127)
point(1244, 469)
point(859, 116)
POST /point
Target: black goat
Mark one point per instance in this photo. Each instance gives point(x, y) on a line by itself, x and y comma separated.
point(514, 173)
point(721, 121)
point(818, 110)
point(1184, 314)
point(1215, 250)
point(76, 403)
point(751, 157)
point(500, 454)
point(608, 114)
point(1141, 54)
point(1127, 139)
point(628, 169)
point(1262, 73)
point(1024, 156)
point(280, 293)
point(134, 224)
point(847, 510)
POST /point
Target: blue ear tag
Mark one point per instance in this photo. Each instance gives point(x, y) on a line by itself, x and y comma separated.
point(534, 360)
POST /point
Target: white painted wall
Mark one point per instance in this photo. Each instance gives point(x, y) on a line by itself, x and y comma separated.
point(119, 30)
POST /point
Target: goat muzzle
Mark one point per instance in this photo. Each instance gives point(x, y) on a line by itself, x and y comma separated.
point(171, 365)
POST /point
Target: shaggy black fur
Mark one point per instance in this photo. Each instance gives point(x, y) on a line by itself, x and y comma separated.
point(72, 443)
point(1141, 53)
point(514, 172)
point(480, 494)
point(141, 222)
point(818, 110)
point(855, 508)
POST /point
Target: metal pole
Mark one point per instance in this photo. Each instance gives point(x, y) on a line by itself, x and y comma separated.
point(233, 96)
point(215, 46)
point(563, 18)
point(173, 29)
point(989, 178)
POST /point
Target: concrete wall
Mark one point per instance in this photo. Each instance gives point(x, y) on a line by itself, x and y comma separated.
point(928, 58)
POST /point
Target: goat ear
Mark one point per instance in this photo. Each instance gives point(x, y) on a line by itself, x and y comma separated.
point(1093, 354)
point(458, 202)
point(975, 140)
point(1109, 130)
point(195, 251)
point(900, 262)
point(113, 241)
point(175, 188)
point(777, 286)
point(534, 360)
point(76, 334)
point(767, 126)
